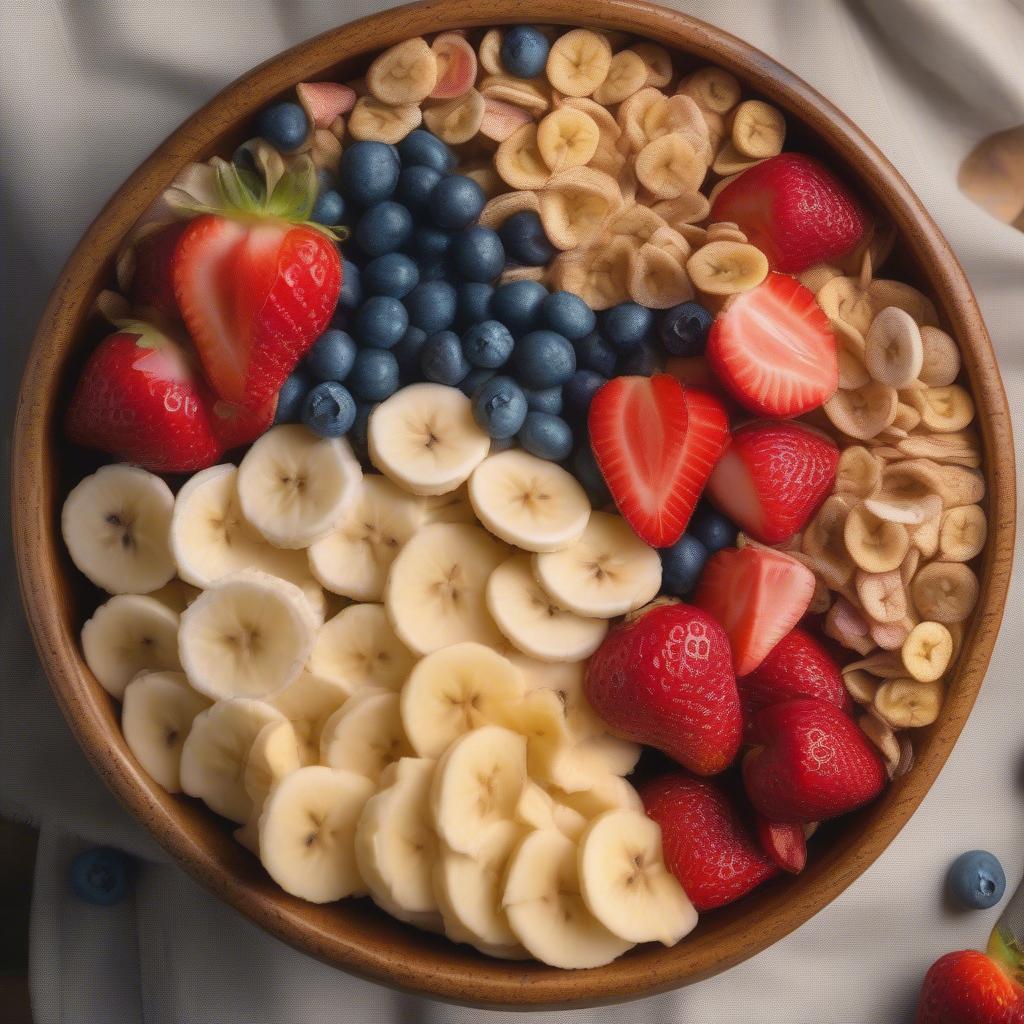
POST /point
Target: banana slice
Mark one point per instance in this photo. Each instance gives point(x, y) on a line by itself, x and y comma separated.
point(576, 205)
point(365, 735)
point(307, 833)
point(435, 591)
point(308, 704)
point(454, 690)
point(294, 486)
point(606, 793)
point(477, 785)
point(669, 166)
point(424, 438)
point(274, 754)
point(875, 544)
point(907, 703)
point(469, 890)
point(729, 161)
point(631, 115)
point(863, 412)
point(627, 74)
point(893, 351)
point(457, 120)
point(609, 571)
point(599, 276)
point(860, 685)
point(177, 595)
point(658, 280)
point(519, 162)
point(129, 634)
point(713, 88)
point(882, 595)
point(945, 592)
point(501, 207)
point(395, 845)
point(115, 524)
point(579, 62)
point(215, 751)
point(927, 651)
point(453, 507)
point(858, 473)
point(158, 711)
point(940, 364)
point(727, 267)
point(358, 648)
point(354, 560)
point(373, 121)
point(657, 61)
point(567, 138)
point(403, 73)
point(589, 764)
point(565, 679)
point(533, 97)
point(490, 52)
point(944, 410)
point(456, 65)
point(824, 544)
point(962, 534)
point(881, 735)
point(758, 129)
point(249, 635)
point(500, 121)
point(529, 618)
point(545, 909)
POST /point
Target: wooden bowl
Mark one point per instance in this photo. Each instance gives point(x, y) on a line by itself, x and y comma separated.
point(353, 935)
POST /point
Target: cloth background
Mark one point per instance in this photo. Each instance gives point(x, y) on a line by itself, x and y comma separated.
point(87, 89)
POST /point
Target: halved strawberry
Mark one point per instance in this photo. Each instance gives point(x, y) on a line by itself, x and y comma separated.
point(758, 595)
point(774, 350)
point(152, 285)
point(656, 444)
point(784, 843)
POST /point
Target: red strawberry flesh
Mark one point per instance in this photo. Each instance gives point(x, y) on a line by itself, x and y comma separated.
point(969, 987)
point(784, 844)
point(152, 285)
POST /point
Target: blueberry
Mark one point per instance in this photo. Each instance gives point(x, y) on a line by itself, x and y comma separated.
point(543, 359)
point(517, 305)
point(474, 303)
point(393, 274)
point(441, 359)
point(546, 436)
point(684, 329)
point(641, 361)
point(291, 396)
point(586, 470)
point(477, 253)
point(368, 172)
point(627, 324)
point(499, 407)
point(331, 356)
point(325, 181)
point(421, 149)
point(711, 528)
point(379, 322)
point(456, 202)
point(431, 306)
point(473, 380)
point(548, 400)
point(283, 125)
point(358, 435)
point(351, 286)
point(407, 351)
point(329, 409)
point(579, 392)
point(374, 375)
point(524, 51)
point(434, 270)
point(568, 314)
point(594, 353)
point(488, 344)
point(681, 565)
point(429, 243)
point(414, 187)
point(976, 880)
point(100, 876)
point(329, 208)
point(524, 239)
point(385, 227)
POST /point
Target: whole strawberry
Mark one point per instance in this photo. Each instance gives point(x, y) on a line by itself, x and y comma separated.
point(969, 987)
point(707, 846)
point(812, 762)
point(149, 278)
point(141, 399)
point(664, 678)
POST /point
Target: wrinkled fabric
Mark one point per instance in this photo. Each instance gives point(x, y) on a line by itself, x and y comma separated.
point(88, 90)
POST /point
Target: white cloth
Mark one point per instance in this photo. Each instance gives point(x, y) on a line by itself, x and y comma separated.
point(88, 90)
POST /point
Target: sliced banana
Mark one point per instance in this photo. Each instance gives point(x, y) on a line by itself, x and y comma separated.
point(713, 88)
point(657, 279)
point(533, 97)
point(519, 162)
point(545, 908)
point(567, 138)
point(274, 754)
point(881, 735)
point(858, 473)
point(927, 651)
point(500, 121)
point(963, 533)
point(657, 61)
point(727, 267)
point(177, 595)
point(824, 543)
point(307, 833)
point(730, 162)
point(373, 121)
point(453, 507)
point(403, 73)
point(424, 438)
point(875, 544)
point(576, 205)
point(454, 690)
point(294, 486)
point(456, 65)
point(579, 62)
point(599, 276)
point(249, 635)
point(907, 703)
point(158, 711)
point(893, 351)
point(435, 591)
point(365, 735)
point(358, 647)
point(669, 166)
point(882, 595)
point(940, 358)
point(115, 524)
point(456, 120)
point(308, 704)
point(215, 752)
point(860, 685)
point(565, 679)
point(354, 559)
point(609, 571)
point(944, 410)
point(945, 591)
point(490, 52)
point(758, 129)
point(627, 73)
point(863, 412)
point(605, 793)
point(129, 634)
point(477, 785)
point(588, 764)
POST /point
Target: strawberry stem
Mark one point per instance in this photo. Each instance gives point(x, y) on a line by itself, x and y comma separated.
point(1005, 948)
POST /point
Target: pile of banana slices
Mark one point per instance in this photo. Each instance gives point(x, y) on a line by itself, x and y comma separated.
point(379, 678)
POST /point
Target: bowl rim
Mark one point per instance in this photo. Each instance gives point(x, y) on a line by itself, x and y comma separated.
point(363, 948)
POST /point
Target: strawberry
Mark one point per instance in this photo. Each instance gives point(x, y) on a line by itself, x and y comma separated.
point(783, 843)
point(655, 444)
point(812, 763)
point(773, 477)
point(773, 349)
point(706, 844)
point(758, 595)
point(794, 210)
point(797, 666)
point(140, 398)
point(152, 285)
point(255, 286)
point(969, 987)
point(664, 677)
point(236, 425)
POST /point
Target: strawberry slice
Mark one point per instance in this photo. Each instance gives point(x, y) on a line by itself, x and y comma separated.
point(784, 843)
point(758, 595)
point(656, 444)
point(773, 349)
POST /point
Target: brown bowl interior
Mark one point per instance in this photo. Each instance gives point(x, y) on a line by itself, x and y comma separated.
point(354, 935)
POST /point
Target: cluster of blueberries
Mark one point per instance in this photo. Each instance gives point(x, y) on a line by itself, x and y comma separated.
point(681, 565)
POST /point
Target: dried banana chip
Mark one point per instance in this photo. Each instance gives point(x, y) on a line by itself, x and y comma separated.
point(858, 473)
point(457, 120)
point(579, 62)
point(627, 74)
point(925, 537)
point(907, 703)
point(823, 542)
point(881, 735)
point(403, 73)
point(875, 544)
point(519, 162)
point(758, 129)
point(945, 591)
point(669, 167)
point(941, 361)
point(713, 88)
point(373, 121)
point(882, 595)
point(729, 160)
point(502, 120)
point(657, 61)
point(657, 280)
point(893, 352)
point(863, 412)
point(725, 268)
point(490, 52)
point(907, 417)
point(962, 533)
point(927, 651)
